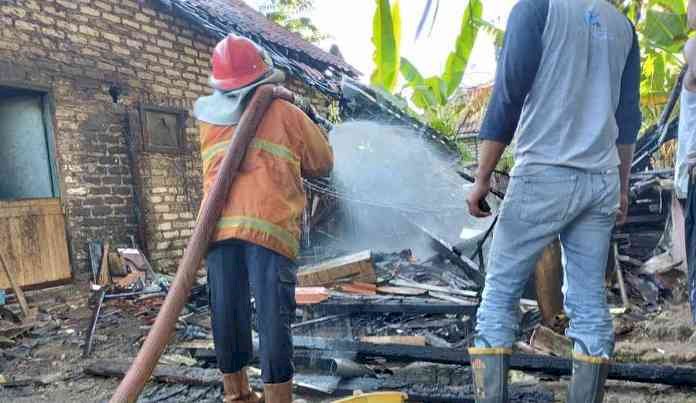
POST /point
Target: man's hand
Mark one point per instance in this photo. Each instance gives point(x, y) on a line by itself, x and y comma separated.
point(490, 155)
point(623, 209)
point(478, 195)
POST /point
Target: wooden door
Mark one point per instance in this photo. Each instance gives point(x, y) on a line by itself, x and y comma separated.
point(32, 241)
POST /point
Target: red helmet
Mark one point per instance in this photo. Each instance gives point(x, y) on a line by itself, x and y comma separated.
point(237, 63)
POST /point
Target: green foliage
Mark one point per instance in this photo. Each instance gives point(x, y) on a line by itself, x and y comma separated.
point(386, 37)
point(432, 94)
point(290, 14)
point(496, 33)
point(459, 58)
point(662, 31)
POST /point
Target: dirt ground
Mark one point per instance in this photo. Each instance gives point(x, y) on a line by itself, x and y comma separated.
point(47, 365)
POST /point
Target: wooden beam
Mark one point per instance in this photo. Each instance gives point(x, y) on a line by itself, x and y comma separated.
point(620, 278)
point(104, 274)
point(162, 373)
point(352, 268)
point(424, 306)
point(345, 387)
point(405, 340)
point(645, 373)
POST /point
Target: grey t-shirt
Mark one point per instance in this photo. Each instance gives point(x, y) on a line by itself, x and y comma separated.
point(567, 86)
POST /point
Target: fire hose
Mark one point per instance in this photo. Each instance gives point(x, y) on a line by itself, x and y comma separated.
point(144, 364)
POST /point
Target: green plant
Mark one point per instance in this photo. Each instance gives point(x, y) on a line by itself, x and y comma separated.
point(386, 37)
point(430, 95)
point(662, 29)
point(290, 14)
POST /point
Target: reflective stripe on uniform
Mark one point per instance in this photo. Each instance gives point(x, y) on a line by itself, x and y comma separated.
point(257, 224)
point(277, 150)
point(211, 152)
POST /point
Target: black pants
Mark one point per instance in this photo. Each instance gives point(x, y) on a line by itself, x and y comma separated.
point(234, 266)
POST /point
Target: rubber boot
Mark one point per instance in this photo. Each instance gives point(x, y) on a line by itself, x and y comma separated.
point(490, 367)
point(278, 392)
point(589, 375)
point(236, 388)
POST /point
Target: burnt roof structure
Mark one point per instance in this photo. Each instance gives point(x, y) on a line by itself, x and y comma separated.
point(322, 70)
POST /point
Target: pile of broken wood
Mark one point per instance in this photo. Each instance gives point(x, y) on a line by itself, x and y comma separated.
point(384, 321)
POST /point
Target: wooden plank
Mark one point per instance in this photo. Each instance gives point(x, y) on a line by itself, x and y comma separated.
point(428, 287)
point(447, 297)
point(424, 306)
point(619, 277)
point(57, 249)
point(405, 340)
point(22, 208)
point(162, 373)
point(401, 291)
point(310, 295)
point(104, 275)
point(34, 245)
point(357, 267)
point(359, 288)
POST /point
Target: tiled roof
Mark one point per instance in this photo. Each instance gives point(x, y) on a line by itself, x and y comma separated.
point(289, 51)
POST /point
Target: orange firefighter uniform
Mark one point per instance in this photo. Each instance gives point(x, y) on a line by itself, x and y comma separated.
point(267, 198)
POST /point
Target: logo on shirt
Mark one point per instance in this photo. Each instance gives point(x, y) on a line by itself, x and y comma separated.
point(593, 21)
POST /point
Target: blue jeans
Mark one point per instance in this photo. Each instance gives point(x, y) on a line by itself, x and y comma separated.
point(232, 267)
point(579, 208)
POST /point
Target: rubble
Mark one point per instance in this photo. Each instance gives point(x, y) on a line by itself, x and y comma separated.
point(332, 355)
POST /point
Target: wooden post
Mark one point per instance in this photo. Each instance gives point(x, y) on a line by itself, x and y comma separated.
point(619, 277)
point(17, 290)
point(104, 275)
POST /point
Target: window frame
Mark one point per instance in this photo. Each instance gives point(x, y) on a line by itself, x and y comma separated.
point(145, 137)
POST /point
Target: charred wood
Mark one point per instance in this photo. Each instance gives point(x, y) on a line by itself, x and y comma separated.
point(645, 373)
point(417, 306)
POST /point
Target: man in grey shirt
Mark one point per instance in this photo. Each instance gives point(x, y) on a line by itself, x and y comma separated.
point(567, 90)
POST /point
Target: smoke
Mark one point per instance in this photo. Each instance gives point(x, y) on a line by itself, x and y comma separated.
point(392, 180)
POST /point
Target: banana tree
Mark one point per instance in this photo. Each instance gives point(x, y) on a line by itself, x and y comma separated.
point(662, 29)
point(386, 37)
point(431, 94)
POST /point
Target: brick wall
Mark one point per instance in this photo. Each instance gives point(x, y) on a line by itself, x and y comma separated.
point(77, 50)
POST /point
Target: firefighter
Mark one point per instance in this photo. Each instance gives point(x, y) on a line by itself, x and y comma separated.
point(256, 241)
